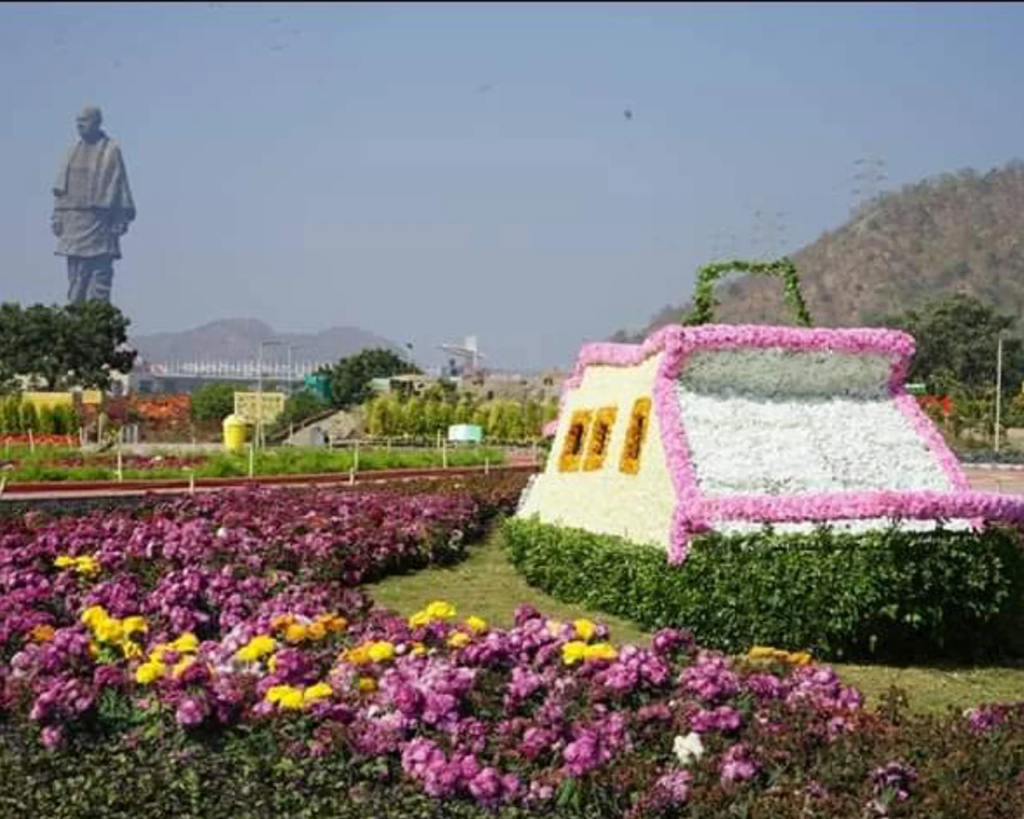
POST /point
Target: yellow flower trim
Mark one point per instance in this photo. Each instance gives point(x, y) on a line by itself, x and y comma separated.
point(86, 566)
point(777, 655)
point(600, 437)
point(256, 648)
point(585, 629)
point(459, 640)
point(636, 434)
point(572, 448)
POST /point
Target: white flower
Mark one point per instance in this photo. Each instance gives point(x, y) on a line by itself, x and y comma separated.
point(688, 748)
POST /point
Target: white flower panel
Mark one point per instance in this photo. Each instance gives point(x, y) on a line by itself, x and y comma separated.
point(782, 422)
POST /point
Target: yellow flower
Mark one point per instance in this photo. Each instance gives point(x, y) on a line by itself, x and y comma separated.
point(134, 625)
point(272, 663)
point(419, 619)
point(600, 651)
point(459, 640)
point(316, 692)
point(367, 685)
point(282, 621)
point(150, 672)
point(109, 631)
point(130, 649)
point(761, 653)
point(64, 561)
point(316, 631)
point(181, 666)
point(42, 633)
point(440, 610)
point(186, 643)
point(257, 647)
point(800, 658)
point(573, 652)
point(360, 655)
point(94, 615)
point(584, 629)
point(88, 566)
point(380, 651)
point(333, 622)
point(418, 649)
point(94, 650)
point(477, 624)
point(295, 633)
point(286, 696)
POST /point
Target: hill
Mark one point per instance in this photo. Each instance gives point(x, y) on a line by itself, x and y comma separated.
point(960, 231)
point(238, 340)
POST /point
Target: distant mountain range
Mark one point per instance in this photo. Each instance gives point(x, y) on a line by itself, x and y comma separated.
point(238, 340)
point(959, 231)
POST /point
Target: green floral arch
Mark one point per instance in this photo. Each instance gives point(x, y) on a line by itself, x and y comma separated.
point(704, 301)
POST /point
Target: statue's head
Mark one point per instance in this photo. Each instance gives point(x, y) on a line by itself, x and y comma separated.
point(88, 123)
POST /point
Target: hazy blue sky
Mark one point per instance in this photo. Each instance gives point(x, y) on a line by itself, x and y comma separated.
point(430, 171)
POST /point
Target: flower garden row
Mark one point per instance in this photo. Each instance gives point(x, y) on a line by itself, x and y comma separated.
point(214, 657)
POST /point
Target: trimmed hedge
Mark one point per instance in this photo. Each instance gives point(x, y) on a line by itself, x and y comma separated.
point(881, 595)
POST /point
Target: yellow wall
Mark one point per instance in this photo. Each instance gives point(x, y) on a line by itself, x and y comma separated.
point(638, 507)
point(48, 400)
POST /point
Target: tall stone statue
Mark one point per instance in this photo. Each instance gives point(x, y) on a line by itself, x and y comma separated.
point(91, 210)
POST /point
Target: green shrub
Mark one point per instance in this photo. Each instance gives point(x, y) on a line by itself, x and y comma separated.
point(29, 417)
point(10, 415)
point(879, 595)
point(46, 424)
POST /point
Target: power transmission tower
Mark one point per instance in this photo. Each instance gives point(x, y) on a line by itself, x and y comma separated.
point(869, 176)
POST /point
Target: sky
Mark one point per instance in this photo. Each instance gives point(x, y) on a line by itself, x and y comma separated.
point(537, 175)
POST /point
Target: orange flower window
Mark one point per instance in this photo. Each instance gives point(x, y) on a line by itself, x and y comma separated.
point(600, 436)
point(572, 449)
point(636, 434)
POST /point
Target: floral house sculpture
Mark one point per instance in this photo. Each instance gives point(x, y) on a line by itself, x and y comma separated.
point(713, 427)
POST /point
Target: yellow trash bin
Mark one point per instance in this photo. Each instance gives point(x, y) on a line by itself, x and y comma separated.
point(236, 430)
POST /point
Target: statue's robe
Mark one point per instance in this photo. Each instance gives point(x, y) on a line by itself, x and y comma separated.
point(91, 194)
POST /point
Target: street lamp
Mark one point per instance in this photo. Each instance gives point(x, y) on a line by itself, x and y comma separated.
point(999, 384)
point(259, 389)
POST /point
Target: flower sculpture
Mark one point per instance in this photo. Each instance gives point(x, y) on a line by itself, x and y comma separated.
point(792, 426)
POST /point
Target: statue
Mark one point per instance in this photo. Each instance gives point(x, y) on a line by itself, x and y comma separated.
point(92, 209)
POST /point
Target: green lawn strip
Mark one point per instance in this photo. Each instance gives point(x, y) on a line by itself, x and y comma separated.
point(284, 461)
point(487, 585)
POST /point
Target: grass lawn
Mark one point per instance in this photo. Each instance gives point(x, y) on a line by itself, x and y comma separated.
point(487, 585)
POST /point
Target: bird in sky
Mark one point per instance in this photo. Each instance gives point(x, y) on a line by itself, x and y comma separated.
point(627, 114)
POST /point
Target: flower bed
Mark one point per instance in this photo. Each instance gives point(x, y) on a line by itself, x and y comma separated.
point(213, 658)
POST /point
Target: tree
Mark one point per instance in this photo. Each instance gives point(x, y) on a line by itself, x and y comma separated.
point(77, 345)
point(213, 402)
point(957, 338)
point(300, 406)
point(351, 376)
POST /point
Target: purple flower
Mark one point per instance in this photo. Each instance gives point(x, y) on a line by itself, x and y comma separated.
point(895, 779)
point(724, 718)
point(674, 787)
point(191, 711)
point(52, 736)
point(736, 764)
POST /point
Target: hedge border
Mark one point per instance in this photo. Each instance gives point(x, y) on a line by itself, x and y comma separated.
point(886, 595)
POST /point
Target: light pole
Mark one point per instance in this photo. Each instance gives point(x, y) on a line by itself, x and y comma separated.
point(291, 374)
point(999, 385)
point(259, 390)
